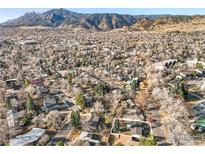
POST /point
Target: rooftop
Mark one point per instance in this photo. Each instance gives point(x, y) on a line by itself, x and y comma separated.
point(27, 138)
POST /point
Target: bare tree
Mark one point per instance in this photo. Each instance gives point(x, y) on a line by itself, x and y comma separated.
point(4, 133)
point(98, 106)
point(54, 120)
point(177, 134)
point(175, 113)
point(43, 140)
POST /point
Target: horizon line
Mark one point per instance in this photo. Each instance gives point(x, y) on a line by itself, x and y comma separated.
point(7, 14)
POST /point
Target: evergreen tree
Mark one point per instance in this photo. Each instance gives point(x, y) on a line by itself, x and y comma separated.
point(29, 103)
point(75, 119)
point(80, 100)
point(26, 120)
point(199, 65)
point(116, 126)
point(26, 83)
point(181, 89)
point(133, 85)
point(101, 89)
point(70, 78)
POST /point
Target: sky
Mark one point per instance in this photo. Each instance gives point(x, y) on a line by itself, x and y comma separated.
point(8, 13)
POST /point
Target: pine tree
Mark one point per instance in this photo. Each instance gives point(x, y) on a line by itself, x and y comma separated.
point(101, 89)
point(75, 119)
point(116, 126)
point(80, 100)
point(133, 85)
point(181, 89)
point(26, 83)
point(70, 78)
point(29, 103)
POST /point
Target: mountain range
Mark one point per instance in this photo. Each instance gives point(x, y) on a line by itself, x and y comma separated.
point(99, 21)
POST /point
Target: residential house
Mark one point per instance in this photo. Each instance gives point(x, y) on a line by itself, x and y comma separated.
point(42, 90)
point(130, 103)
point(94, 122)
point(11, 83)
point(12, 119)
point(28, 138)
point(50, 104)
point(93, 138)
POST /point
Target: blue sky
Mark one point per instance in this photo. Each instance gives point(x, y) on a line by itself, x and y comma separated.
point(7, 13)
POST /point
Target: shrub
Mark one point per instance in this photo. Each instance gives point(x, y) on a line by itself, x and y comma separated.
point(150, 141)
point(60, 143)
point(199, 65)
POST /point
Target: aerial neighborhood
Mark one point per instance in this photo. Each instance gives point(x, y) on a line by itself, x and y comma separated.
point(124, 86)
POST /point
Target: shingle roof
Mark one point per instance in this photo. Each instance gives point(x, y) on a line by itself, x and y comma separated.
point(27, 138)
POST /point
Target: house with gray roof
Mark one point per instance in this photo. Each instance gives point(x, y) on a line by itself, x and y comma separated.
point(28, 138)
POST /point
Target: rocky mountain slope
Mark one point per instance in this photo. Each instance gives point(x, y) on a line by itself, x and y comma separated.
point(63, 18)
point(171, 23)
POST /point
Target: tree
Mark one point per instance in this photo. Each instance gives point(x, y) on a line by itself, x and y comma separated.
point(26, 120)
point(59, 143)
point(124, 87)
point(54, 120)
point(70, 78)
point(80, 100)
point(4, 132)
point(199, 65)
point(49, 72)
point(194, 74)
point(149, 141)
point(160, 93)
point(39, 121)
point(175, 112)
point(177, 134)
point(116, 126)
point(29, 103)
point(133, 85)
point(75, 119)
point(101, 89)
point(181, 89)
point(3, 111)
point(99, 107)
point(43, 140)
point(26, 82)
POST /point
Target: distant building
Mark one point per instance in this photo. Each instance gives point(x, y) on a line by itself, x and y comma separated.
point(28, 42)
point(11, 83)
point(130, 103)
point(42, 90)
